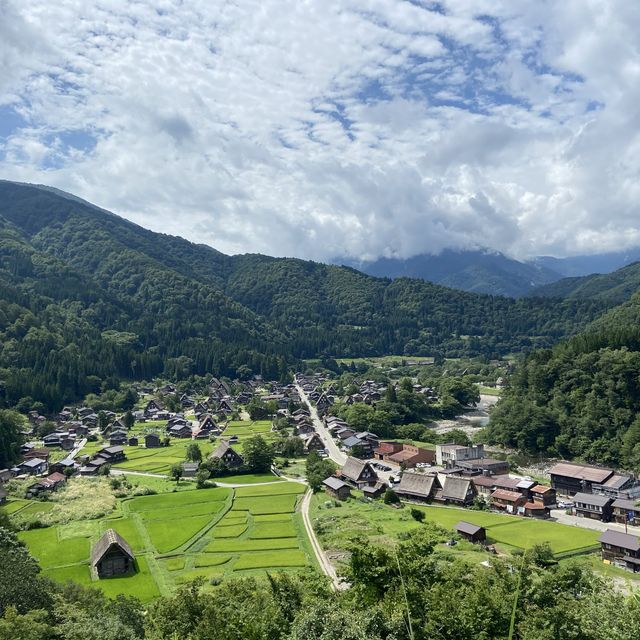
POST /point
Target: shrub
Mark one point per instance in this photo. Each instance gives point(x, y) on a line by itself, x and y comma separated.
point(391, 497)
point(417, 514)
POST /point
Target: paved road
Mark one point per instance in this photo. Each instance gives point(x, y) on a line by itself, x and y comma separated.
point(559, 515)
point(339, 457)
point(76, 450)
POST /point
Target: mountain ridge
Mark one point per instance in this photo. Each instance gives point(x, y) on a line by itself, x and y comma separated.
point(87, 296)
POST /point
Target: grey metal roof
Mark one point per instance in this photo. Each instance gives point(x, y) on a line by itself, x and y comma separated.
point(592, 498)
point(619, 539)
point(467, 527)
point(628, 505)
point(334, 483)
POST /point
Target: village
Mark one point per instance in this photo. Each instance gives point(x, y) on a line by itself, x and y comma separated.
point(461, 485)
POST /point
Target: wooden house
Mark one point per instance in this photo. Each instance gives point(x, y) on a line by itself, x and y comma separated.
point(456, 490)
point(112, 555)
point(336, 488)
point(595, 507)
point(508, 501)
point(621, 548)
point(570, 478)
point(228, 455)
point(313, 442)
point(190, 469)
point(34, 466)
point(543, 494)
point(418, 486)
point(471, 532)
point(358, 473)
point(152, 441)
point(626, 512)
point(374, 491)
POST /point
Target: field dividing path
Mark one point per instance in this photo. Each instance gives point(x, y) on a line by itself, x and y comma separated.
point(339, 457)
point(323, 561)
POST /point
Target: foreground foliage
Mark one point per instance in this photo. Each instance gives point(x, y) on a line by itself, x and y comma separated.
point(399, 593)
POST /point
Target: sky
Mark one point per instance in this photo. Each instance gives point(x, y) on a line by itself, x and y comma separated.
point(341, 128)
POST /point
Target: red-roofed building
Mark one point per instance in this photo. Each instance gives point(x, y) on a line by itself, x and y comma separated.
point(406, 454)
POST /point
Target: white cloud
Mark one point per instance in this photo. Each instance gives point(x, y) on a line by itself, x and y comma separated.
point(356, 127)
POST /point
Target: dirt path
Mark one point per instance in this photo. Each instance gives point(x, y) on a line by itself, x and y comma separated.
point(323, 561)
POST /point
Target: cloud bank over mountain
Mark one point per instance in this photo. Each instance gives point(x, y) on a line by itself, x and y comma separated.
point(360, 128)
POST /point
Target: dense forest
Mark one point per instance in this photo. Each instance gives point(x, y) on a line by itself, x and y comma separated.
point(578, 400)
point(87, 299)
point(406, 592)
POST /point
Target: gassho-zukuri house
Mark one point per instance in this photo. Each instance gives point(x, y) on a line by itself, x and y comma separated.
point(112, 556)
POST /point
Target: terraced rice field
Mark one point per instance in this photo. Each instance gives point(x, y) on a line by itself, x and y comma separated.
point(179, 536)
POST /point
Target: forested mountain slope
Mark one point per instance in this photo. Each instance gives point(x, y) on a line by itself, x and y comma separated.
point(86, 295)
point(475, 271)
point(613, 288)
point(582, 398)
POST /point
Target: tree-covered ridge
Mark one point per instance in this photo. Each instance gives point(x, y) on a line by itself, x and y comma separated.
point(581, 399)
point(86, 294)
point(615, 287)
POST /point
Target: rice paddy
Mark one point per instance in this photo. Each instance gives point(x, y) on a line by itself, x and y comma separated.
point(179, 536)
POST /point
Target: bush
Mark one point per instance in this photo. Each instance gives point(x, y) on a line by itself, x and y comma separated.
point(391, 497)
point(417, 514)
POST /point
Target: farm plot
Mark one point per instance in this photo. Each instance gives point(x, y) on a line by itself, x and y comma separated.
point(156, 460)
point(170, 500)
point(50, 552)
point(245, 429)
point(266, 505)
point(336, 527)
point(178, 536)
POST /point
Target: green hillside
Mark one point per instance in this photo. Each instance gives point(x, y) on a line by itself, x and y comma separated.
point(613, 288)
point(88, 296)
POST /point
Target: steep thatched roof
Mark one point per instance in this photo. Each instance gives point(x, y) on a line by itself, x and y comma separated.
point(109, 539)
point(456, 488)
point(417, 484)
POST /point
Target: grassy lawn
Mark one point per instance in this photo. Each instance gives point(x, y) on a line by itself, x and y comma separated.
point(157, 460)
point(77, 573)
point(129, 529)
point(169, 500)
point(229, 546)
point(12, 506)
point(246, 429)
point(281, 488)
point(489, 391)
point(281, 529)
point(204, 531)
point(169, 535)
point(337, 527)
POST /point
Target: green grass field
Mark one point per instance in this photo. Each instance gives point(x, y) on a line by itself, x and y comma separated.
point(337, 526)
point(179, 536)
point(266, 504)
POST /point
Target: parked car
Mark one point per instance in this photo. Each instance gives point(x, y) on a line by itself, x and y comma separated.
point(565, 504)
point(383, 467)
point(394, 480)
